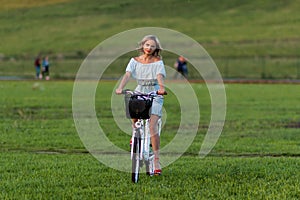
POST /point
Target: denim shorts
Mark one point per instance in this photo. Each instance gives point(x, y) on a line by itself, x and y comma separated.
point(157, 106)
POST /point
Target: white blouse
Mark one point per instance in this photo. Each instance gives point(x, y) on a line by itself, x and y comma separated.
point(146, 74)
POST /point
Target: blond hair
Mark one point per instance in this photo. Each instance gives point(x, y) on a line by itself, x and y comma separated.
point(155, 39)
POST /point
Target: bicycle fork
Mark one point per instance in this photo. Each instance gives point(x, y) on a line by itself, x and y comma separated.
point(142, 134)
point(138, 134)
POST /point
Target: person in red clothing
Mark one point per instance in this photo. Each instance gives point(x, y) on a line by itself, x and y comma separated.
point(37, 65)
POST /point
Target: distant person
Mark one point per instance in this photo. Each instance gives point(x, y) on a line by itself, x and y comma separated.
point(37, 65)
point(181, 66)
point(46, 65)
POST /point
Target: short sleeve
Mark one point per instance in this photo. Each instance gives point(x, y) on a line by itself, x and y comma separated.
point(131, 67)
point(161, 69)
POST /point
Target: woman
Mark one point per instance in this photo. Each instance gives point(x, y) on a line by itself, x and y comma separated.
point(149, 71)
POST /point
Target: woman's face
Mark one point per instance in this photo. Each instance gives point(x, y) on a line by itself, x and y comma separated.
point(149, 47)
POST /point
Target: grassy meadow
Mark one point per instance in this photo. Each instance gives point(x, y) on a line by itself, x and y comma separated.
point(258, 153)
point(256, 157)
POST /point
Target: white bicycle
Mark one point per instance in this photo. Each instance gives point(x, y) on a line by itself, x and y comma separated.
point(138, 106)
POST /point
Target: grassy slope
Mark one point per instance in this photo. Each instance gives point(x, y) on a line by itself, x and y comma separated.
point(228, 28)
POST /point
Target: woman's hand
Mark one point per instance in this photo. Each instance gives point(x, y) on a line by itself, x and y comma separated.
point(161, 91)
point(119, 91)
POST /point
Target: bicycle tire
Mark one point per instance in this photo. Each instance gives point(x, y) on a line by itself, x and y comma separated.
point(136, 159)
point(149, 163)
point(149, 167)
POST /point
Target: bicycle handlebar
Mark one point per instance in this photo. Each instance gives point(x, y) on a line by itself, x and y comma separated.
point(153, 93)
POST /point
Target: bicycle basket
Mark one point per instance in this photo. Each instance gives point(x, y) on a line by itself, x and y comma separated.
point(138, 107)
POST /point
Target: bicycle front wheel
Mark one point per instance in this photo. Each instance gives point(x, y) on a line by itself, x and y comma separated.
point(136, 159)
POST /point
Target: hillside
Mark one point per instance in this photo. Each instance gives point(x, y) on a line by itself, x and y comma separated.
point(230, 29)
point(247, 27)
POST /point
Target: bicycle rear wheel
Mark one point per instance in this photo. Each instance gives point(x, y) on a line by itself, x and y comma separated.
point(149, 162)
point(136, 161)
point(150, 167)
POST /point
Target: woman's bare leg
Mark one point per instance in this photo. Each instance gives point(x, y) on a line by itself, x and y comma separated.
point(155, 139)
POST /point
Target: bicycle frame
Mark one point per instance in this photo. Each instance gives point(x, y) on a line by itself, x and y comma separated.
point(141, 148)
point(141, 142)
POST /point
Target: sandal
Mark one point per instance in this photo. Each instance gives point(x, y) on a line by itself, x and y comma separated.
point(158, 171)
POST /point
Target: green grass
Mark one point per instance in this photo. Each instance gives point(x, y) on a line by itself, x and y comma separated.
point(226, 27)
point(249, 36)
point(256, 157)
point(40, 176)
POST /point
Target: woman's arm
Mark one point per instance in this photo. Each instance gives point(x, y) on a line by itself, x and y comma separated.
point(124, 81)
point(160, 80)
